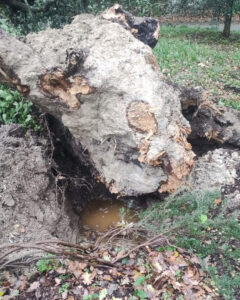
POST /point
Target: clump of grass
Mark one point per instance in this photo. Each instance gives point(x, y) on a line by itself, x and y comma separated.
point(15, 109)
point(229, 103)
point(203, 229)
point(193, 56)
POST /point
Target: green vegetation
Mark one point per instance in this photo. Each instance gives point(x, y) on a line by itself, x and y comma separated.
point(15, 109)
point(64, 287)
point(201, 57)
point(225, 8)
point(199, 225)
point(36, 15)
point(47, 264)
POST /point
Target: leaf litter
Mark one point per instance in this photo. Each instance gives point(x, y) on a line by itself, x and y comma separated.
point(149, 273)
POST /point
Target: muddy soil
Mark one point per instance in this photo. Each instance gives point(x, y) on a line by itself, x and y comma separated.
point(29, 206)
point(45, 189)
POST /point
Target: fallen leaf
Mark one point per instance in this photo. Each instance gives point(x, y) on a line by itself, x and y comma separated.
point(125, 281)
point(157, 266)
point(33, 286)
point(86, 278)
point(176, 254)
point(58, 281)
point(136, 274)
point(120, 254)
point(142, 269)
point(139, 281)
point(61, 271)
point(76, 268)
point(102, 294)
point(64, 295)
point(107, 277)
point(217, 201)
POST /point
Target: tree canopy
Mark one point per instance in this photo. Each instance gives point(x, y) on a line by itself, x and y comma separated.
point(218, 8)
point(35, 15)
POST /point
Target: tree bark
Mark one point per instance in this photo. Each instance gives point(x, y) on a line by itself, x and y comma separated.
point(85, 4)
point(146, 29)
point(211, 125)
point(228, 18)
point(104, 85)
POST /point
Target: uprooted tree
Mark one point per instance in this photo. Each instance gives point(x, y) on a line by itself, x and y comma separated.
point(105, 86)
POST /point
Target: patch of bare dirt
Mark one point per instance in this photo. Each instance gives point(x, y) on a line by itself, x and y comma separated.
point(29, 206)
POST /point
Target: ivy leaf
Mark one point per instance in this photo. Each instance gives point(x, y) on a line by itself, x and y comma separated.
point(103, 294)
point(140, 293)
point(203, 218)
point(139, 280)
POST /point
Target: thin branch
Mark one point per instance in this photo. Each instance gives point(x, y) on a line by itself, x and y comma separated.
point(147, 243)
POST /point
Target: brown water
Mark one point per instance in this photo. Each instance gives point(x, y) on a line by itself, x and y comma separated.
point(100, 214)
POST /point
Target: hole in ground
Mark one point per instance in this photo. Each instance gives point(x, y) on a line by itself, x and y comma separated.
point(96, 207)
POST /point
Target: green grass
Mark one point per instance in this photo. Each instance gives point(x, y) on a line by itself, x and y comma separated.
point(201, 57)
point(202, 229)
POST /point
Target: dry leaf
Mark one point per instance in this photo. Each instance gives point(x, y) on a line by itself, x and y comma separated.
point(157, 266)
point(58, 281)
point(87, 278)
point(120, 254)
point(217, 201)
point(61, 271)
point(107, 277)
point(64, 295)
point(33, 286)
point(142, 269)
point(76, 268)
point(136, 274)
point(125, 281)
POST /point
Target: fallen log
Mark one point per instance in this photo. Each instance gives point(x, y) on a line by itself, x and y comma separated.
point(105, 86)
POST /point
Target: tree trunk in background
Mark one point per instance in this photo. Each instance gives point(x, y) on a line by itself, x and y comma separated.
point(85, 5)
point(228, 18)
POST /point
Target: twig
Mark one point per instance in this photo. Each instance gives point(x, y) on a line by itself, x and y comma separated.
point(147, 243)
point(99, 240)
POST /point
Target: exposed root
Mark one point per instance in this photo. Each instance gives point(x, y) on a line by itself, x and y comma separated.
point(89, 254)
point(56, 247)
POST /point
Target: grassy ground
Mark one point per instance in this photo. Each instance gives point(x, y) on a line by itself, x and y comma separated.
point(202, 57)
point(202, 228)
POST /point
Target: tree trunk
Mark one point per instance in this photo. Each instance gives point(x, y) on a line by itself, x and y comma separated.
point(104, 85)
point(228, 18)
point(85, 5)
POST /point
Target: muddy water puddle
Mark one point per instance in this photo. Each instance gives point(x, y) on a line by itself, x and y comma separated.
point(101, 214)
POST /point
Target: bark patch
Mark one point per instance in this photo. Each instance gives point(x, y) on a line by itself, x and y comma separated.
point(141, 118)
point(68, 90)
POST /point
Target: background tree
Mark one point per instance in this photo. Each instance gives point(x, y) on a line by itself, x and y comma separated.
point(35, 15)
point(224, 8)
